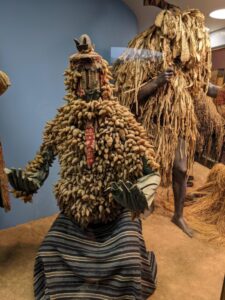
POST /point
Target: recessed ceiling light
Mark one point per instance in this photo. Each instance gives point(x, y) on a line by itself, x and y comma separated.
point(218, 14)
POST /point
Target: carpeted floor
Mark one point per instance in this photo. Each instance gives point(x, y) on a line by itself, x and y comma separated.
point(187, 268)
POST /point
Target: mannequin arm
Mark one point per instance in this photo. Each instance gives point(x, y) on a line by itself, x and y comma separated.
point(137, 197)
point(27, 182)
point(152, 85)
point(213, 90)
point(218, 93)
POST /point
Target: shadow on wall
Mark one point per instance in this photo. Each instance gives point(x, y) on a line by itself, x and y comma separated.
point(36, 41)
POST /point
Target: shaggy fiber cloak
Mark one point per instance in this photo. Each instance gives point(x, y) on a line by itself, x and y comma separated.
point(116, 151)
point(178, 40)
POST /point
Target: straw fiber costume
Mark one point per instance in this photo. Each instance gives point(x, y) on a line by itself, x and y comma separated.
point(163, 70)
point(108, 174)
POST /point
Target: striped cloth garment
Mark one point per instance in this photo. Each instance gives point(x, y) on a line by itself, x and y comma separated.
point(103, 261)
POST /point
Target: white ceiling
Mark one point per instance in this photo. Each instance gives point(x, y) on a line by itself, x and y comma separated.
point(146, 14)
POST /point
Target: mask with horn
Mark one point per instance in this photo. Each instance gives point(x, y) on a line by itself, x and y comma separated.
point(88, 76)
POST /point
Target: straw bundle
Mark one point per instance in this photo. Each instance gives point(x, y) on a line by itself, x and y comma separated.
point(207, 212)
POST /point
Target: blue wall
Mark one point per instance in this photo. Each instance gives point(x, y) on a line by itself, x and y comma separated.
point(36, 40)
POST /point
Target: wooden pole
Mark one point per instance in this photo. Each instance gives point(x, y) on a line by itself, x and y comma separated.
point(4, 184)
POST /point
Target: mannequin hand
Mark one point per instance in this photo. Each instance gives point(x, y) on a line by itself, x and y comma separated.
point(165, 77)
point(148, 212)
point(21, 182)
point(129, 196)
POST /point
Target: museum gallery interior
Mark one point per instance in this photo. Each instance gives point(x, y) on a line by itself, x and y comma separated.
point(112, 150)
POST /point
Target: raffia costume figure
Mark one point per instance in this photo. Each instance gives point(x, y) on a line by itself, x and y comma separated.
point(95, 249)
point(178, 42)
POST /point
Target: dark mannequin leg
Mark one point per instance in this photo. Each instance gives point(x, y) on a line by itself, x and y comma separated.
point(179, 183)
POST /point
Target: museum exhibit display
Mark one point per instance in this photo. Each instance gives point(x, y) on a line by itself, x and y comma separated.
point(112, 150)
